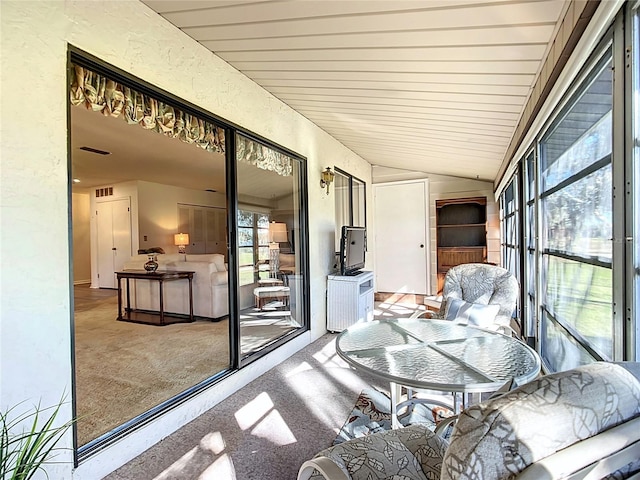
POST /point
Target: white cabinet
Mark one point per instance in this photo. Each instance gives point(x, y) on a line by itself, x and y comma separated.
point(349, 300)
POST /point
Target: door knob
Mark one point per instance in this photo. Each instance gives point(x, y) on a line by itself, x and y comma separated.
point(422, 245)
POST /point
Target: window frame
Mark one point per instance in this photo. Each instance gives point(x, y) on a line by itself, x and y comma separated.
point(81, 57)
point(632, 185)
point(256, 230)
point(625, 177)
point(511, 245)
point(598, 63)
point(351, 180)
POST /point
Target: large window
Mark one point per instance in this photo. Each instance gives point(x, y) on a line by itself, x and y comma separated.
point(350, 202)
point(529, 277)
point(509, 217)
point(253, 246)
point(128, 370)
point(580, 272)
point(576, 226)
point(510, 233)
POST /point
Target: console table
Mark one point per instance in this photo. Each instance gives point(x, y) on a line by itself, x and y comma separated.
point(148, 317)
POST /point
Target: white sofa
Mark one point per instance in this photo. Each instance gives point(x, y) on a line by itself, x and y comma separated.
point(210, 285)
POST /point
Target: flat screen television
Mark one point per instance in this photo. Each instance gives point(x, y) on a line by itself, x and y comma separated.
point(353, 245)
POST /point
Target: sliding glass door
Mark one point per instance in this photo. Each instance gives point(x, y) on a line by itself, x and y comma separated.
point(270, 250)
point(157, 179)
point(159, 189)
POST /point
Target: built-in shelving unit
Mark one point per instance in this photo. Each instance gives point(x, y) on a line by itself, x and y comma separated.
point(461, 225)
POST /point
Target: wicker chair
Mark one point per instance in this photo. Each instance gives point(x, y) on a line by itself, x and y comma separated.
point(481, 284)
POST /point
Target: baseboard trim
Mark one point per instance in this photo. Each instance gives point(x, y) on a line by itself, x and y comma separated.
point(81, 282)
point(399, 297)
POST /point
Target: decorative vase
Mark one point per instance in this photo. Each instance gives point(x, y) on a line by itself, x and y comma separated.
point(152, 264)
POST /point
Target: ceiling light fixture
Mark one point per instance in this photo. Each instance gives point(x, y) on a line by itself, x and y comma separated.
point(76, 180)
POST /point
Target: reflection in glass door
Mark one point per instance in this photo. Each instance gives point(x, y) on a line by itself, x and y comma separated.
point(124, 369)
point(270, 276)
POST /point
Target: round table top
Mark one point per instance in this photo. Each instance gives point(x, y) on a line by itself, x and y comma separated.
point(437, 354)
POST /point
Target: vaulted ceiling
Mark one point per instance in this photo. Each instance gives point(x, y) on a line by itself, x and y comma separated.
point(424, 85)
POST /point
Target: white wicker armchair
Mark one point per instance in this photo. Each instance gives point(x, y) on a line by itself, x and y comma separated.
point(582, 423)
point(481, 284)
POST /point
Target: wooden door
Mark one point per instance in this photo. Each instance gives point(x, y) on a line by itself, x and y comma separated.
point(401, 237)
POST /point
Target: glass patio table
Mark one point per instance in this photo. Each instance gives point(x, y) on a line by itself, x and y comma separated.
point(437, 355)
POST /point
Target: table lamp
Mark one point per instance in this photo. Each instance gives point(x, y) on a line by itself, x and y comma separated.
point(277, 234)
point(181, 240)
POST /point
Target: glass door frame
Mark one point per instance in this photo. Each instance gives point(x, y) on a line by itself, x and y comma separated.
point(79, 56)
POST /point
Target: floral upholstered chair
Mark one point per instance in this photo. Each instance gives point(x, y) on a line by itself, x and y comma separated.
point(480, 294)
point(582, 423)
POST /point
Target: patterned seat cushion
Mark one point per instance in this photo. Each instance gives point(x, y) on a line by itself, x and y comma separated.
point(411, 453)
point(500, 438)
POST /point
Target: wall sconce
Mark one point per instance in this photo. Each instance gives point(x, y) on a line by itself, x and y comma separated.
point(327, 178)
point(181, 240)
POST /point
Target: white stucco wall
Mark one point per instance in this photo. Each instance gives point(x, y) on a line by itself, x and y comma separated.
point(35, 355)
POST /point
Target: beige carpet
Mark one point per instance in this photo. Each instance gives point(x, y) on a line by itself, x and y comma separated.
point(124, 369)
point(259, 328)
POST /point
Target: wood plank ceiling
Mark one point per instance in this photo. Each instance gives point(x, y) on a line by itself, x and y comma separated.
point(424, 85)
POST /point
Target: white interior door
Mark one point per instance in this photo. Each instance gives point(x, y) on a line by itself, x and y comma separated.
point(104, 223)
point(401, 237)
point(121, 228)
point(114, 239)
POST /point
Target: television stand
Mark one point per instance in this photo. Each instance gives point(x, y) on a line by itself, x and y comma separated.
point(353, 273)
point(349, 300)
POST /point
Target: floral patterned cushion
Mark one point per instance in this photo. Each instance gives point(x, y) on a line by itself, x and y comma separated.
point(500, 438)
point(411, 453)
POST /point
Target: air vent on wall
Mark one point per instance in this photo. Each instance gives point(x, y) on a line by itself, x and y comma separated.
point(95, 150)
point(104, 192)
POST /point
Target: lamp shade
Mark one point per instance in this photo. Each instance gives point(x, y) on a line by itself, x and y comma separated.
point(278, 232)
point(181, 239)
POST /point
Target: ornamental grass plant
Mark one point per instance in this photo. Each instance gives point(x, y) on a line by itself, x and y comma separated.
point(29, 441)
